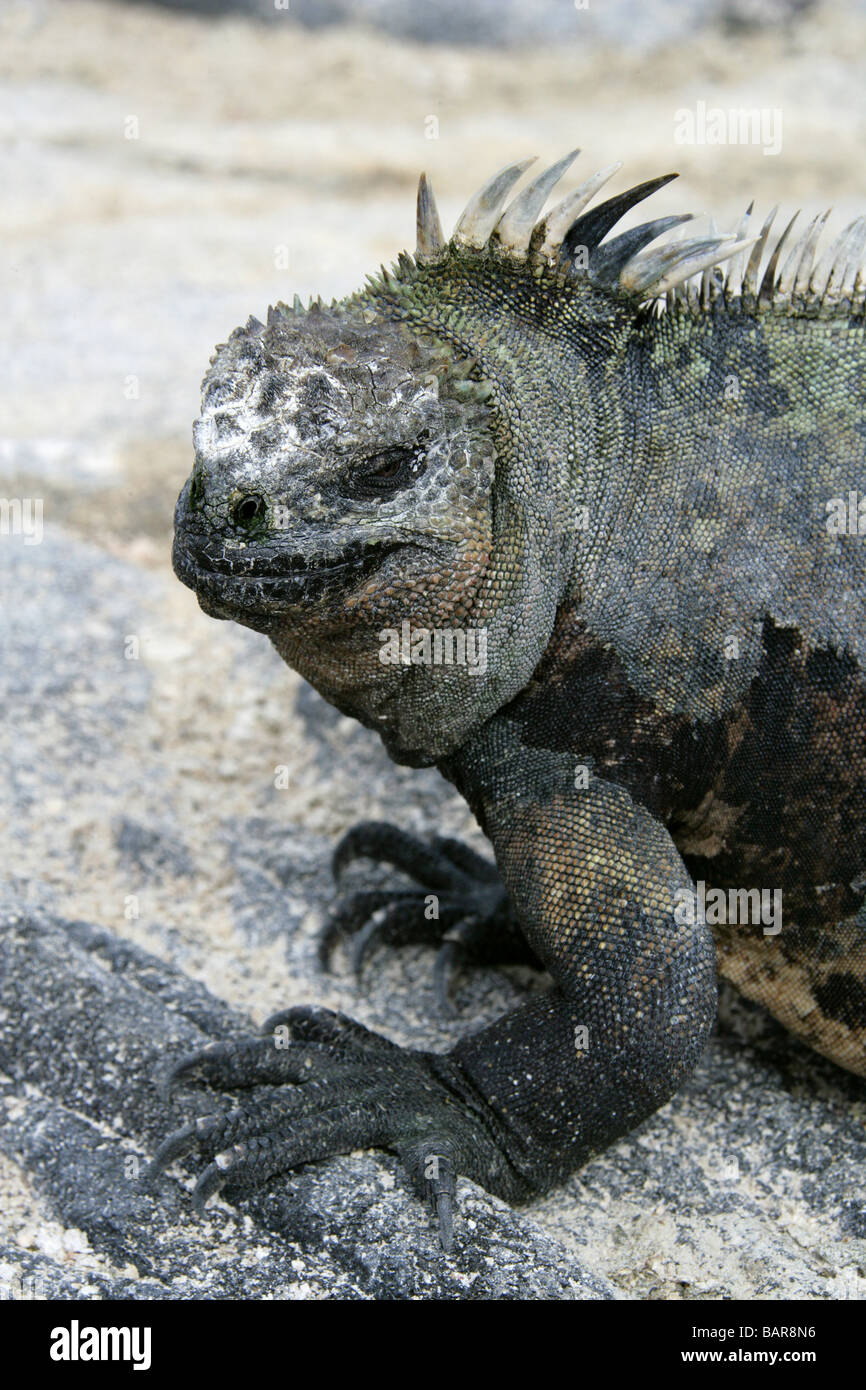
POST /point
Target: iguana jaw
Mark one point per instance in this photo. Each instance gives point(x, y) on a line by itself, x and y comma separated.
point(248, 585)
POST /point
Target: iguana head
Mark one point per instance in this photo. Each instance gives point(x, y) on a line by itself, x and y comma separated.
point(341, 461)
point(403, 463)
point(342, 486)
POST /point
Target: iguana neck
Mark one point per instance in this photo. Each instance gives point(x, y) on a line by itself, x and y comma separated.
point(554, 354)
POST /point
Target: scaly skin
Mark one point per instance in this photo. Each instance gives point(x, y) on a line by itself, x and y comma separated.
point(632, 508)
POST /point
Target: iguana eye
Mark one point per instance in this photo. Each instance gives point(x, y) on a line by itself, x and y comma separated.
point(385, 468)
point(249, 511)
point(390, 470)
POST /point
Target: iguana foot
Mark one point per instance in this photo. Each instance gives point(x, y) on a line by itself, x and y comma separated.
point(343, 1088)
point(461, 905)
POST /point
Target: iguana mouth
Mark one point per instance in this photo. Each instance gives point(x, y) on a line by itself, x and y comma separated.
point(251, 579)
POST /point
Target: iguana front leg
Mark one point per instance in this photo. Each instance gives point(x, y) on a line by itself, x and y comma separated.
point(593, 880)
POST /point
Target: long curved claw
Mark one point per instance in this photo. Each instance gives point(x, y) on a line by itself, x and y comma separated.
point(208, 1061)
point(441, 1187)
point(405, 924)
point(393, 919)
point(445, 967)
point(191, 1066)
point(350, 915)
point(362, 942)
point(214, 1177)
point(175, 1145)
point(452, 955)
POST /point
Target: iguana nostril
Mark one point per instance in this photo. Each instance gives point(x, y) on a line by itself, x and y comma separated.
point(249, 510)
point(196, 491)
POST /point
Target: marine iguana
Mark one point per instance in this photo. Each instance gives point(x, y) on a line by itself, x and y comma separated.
point(636, 479)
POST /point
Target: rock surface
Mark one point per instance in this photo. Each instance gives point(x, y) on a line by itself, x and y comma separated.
point(505, 23)
point(82, 1113)
point(159, 884)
